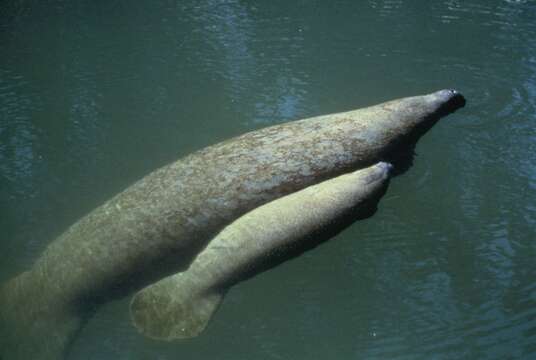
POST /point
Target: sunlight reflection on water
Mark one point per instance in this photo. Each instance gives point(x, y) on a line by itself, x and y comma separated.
point(94, 96)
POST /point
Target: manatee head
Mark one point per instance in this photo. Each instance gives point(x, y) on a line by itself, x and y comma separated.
point(412, 116)
point(447, 101)
point(406, 120)
point(437, 105)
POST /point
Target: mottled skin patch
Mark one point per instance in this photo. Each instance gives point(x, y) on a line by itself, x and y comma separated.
point(156, 226)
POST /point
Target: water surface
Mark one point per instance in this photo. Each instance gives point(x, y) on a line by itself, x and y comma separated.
point(94, 95)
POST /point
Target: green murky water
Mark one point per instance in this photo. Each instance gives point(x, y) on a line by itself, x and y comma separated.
point(94, 95)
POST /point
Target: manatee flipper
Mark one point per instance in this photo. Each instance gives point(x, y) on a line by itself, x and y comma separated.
point(165, 312)
point(34, 324)
point(181, 305)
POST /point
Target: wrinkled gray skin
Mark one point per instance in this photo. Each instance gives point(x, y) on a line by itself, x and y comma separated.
point(156, 226)
point(180, 306)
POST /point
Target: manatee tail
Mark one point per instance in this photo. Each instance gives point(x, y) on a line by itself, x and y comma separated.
point(33, 323)
point(173, 308)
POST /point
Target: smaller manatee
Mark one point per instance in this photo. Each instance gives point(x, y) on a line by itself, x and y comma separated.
point(181, 305)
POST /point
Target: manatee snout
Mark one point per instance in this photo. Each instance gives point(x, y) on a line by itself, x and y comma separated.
point(452, 100)
point(376, 181)
point(379, 172)
point(385, 167)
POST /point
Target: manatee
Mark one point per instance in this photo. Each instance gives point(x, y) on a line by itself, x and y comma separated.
point(181, 305)
point(156, 226)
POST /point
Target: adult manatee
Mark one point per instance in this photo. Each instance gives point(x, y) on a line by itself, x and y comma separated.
point(181, 305)
point(155, 227)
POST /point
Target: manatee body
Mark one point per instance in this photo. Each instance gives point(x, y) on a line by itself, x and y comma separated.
point(155, 227)
point(181, 305)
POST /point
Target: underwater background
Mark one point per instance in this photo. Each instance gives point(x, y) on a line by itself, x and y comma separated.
point(96, 94)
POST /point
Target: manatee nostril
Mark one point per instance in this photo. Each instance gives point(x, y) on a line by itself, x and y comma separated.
point(452, 91)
